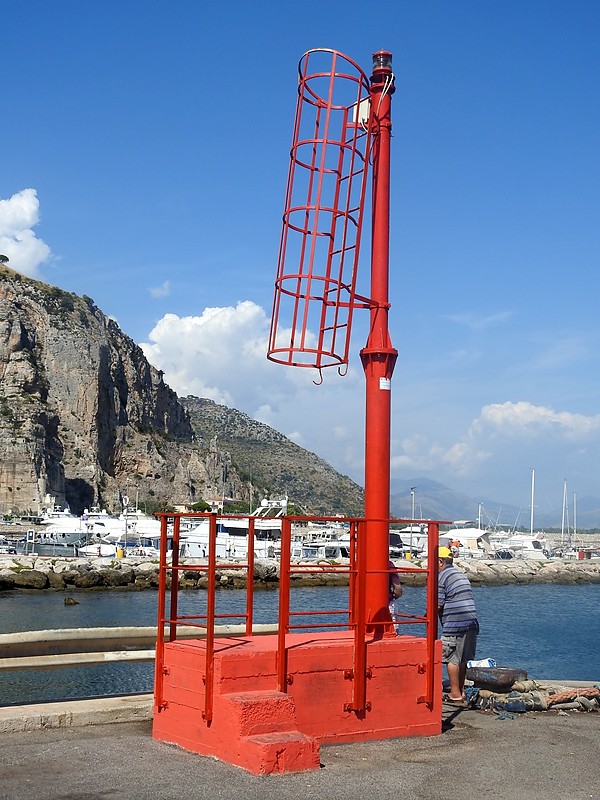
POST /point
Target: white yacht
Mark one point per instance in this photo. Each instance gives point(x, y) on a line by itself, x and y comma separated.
point(333, 550)
point(97, 525)
point(232, 534)
point(528, 546)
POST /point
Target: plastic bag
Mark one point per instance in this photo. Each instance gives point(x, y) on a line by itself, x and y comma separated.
point(483, 662)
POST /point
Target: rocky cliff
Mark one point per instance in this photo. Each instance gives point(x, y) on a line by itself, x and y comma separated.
point(83, 416)
point(86, 419)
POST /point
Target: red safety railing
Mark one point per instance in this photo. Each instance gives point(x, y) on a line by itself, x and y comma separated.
point(353, 618)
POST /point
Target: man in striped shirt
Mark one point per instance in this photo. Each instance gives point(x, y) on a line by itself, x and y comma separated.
point(460, 627)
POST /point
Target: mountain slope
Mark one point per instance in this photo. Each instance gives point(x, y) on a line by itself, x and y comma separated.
point(432, 501)
point(85, 419)
point(270, 461)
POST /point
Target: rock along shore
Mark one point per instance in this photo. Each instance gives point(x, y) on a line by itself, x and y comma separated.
point(134, 574)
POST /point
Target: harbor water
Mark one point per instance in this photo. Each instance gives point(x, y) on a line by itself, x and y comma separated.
point(551, 631)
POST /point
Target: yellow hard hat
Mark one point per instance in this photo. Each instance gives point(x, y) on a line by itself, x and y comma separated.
point(444, 552)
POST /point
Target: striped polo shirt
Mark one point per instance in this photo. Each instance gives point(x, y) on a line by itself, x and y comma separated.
point(458, 604)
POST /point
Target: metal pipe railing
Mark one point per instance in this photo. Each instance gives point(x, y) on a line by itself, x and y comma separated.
point(358, 616)
point(432, 610)
point(284, 603)
point(210, 620)
point(162, 597)
point(359, 620)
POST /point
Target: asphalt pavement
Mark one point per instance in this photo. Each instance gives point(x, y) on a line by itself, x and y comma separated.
point(479, 755)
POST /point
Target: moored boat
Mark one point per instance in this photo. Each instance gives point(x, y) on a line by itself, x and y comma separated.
point(232, 534)
point(6, 547)
point(523, 545)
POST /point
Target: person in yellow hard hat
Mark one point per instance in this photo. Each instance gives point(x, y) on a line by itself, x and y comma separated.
point(460, 626)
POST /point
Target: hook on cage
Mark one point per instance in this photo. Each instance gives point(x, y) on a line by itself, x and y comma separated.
point(343, 370)
point(320, 381)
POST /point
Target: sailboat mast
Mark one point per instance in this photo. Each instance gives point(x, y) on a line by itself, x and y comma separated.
point(564, 511)
point(569, 537)
point(532, 492)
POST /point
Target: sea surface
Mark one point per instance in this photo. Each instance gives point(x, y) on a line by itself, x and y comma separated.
point(551, 631)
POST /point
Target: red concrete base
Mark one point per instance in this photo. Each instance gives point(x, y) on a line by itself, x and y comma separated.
point(262, 730)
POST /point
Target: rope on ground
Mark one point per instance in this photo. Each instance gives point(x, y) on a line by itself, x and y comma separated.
point(573, 694)
point(562, 698)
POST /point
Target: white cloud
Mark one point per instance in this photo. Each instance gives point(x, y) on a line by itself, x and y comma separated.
point(18, 215)
point(264, 414)
point(512, 431)
point(477, 322)
point(221, 354)
point(158, 292)
point(526, 419)
point(418, 454)
point(215, 354)
point(499, 447)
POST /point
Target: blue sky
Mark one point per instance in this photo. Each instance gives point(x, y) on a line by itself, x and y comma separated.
point(144, 160)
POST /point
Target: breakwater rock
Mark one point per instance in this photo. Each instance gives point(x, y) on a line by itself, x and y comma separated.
point(68, 573)
point(491, 572)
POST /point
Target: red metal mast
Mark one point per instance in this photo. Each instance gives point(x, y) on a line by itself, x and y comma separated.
point(378, 356)
point(343, 123)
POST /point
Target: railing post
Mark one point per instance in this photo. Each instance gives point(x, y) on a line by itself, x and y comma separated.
point(352, 577)
point(174, 578)
point(432, 610)
point(250, 578)
point(284, 603)
point(159, 660)
point(210, 619)
point(358, 603)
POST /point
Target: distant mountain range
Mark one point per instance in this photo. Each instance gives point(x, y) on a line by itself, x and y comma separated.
point(435, 501)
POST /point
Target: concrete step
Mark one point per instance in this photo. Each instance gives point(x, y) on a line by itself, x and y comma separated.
point(261, 712)
point(263, 723)
point(281, 751)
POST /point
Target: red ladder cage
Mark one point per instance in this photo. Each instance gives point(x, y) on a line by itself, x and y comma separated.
point(323, 214)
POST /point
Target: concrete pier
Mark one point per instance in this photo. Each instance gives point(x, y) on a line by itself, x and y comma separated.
point(530, 756)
